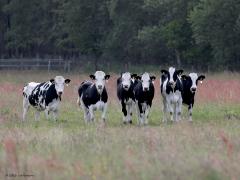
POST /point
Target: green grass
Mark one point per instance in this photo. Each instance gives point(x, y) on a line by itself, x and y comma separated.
point(207, 148)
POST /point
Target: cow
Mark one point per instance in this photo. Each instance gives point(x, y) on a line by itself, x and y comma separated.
point(171, 90)
point(93, 96)
point(143, 94)
point(190, 83)
point(44, 96)
point(125, 86)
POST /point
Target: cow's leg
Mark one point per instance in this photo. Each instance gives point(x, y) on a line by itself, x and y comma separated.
point(175, 111)
point(91, 112)
point(131, 111)
point(124, 110)
point(190, 112)
point(47, 113)
point(179, 109)
point(147, 114)
point(170, 109)
point(140, 121)
point(55, 114)
point(37, 115)
point(26, 105)
point(104, 112)
point(165, 110)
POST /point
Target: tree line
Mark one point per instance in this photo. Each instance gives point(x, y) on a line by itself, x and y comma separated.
point(200, 33)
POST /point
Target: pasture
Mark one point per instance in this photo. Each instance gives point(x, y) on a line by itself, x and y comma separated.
point(207, 148)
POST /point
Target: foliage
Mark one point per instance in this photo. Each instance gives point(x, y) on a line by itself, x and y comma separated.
point(204, 34)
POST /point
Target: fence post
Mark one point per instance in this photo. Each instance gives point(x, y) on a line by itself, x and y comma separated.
point(49, 65)
point(69, 66)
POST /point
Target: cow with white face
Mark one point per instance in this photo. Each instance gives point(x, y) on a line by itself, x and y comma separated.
point(93, 96)
point(144, 93)
point(190, 83)
point(125, 86)
point(44, 96)
point(171, 90)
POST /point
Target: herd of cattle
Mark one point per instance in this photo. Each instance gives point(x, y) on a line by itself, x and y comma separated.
point(132, 89)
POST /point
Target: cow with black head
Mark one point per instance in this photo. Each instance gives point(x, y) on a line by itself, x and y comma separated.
point(171, 90)
point(125, 86)
point(93, 96)
point(190, 83)
point(144, 93)
point(44, 96)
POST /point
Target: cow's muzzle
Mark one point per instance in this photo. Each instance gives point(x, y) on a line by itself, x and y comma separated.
point(145, 89)
point(193, 89)
point(126, 87)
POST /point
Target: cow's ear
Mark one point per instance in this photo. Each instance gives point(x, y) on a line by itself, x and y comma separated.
point(92, 77)
point(133, 76)
point(152, 78)
point(138, 77)
point(51, 80)
point(179, 72)
point(184, 77)
point(107, 77)
point(201, 77)
point(163, 71)
point(67, 81)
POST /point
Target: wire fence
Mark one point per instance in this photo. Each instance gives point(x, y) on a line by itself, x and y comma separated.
point(35, 64)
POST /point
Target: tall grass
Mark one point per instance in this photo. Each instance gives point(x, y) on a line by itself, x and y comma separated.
point(208, 148)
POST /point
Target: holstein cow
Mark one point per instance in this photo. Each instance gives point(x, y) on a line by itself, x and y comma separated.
point(125, 86)
point(144, 93)
point(44, 96)
point(171, 90)
point(190, 83)
point(93, 96)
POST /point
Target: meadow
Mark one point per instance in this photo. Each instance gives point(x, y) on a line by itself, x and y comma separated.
point(207, 148)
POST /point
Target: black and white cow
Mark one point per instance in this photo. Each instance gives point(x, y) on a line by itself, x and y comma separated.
point(190, 83)
point(144, 93)
point(93, 96)
point(125, 86)
point(171, 90)
point(44, 96)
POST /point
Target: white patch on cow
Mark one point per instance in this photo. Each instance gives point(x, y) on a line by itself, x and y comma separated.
point(126, 80)
point(100, 81)
point(27, 90)
point(171, 72)
point(59, 82)
point(145, 81)
point(194, 78)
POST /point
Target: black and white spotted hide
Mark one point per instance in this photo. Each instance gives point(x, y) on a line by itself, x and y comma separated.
point(190, 83)
point(171, 90)
point(44, 96)
point(125, 86)
point(93, 96)
point(144, 93)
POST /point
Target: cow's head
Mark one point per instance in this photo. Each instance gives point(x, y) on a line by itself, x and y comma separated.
point(193, 80)
point(172, 74)
point(127, 79)
point(59, 83)
point(146, 79)
point(99, 79)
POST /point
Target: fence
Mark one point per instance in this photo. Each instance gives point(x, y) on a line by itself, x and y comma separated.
point(40, 64)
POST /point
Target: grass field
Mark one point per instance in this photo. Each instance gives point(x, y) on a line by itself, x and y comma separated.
point(208, 148)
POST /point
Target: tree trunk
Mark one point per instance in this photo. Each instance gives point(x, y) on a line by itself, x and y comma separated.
point(178, 58)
